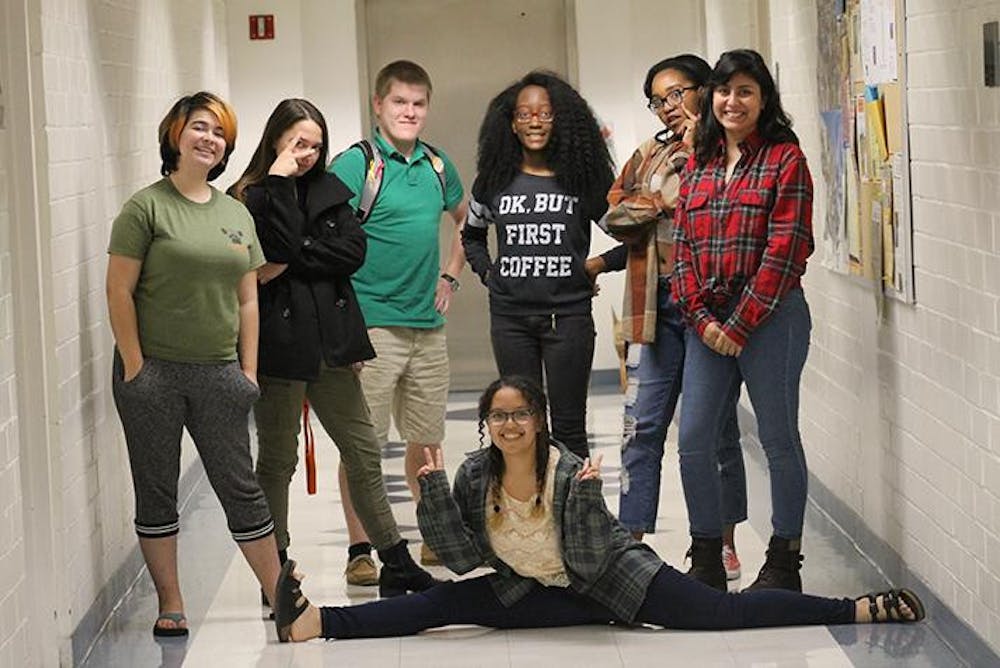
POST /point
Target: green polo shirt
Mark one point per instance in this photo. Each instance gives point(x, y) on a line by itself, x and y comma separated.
point(396, 284)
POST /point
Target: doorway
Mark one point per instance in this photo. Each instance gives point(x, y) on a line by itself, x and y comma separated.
point(472, 50)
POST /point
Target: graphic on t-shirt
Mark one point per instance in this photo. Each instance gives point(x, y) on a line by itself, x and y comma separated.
point(520, 236)
point(236, 240)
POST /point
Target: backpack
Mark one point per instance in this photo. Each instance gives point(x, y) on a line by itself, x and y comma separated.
point(373, 174)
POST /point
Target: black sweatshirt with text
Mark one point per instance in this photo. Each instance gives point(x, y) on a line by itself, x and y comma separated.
point(542, 244)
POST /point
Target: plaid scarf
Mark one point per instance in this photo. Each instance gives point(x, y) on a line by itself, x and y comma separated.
point(641, 215)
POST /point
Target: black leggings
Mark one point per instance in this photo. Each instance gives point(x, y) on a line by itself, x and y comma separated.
point(673, 600)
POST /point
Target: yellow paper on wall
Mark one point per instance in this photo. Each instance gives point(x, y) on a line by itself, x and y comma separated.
point(893, 111)
point(875, 122)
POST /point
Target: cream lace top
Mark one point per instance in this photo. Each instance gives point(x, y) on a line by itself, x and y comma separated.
point(526, 541)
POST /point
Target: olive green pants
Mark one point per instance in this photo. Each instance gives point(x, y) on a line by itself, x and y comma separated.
point(339, 403)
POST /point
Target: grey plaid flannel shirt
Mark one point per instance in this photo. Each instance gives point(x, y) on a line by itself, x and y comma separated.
point(602, 559)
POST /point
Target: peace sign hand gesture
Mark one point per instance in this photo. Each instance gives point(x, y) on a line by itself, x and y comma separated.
point(434, 462)
point(689, 127)
point(591, 470)
point(287, 162)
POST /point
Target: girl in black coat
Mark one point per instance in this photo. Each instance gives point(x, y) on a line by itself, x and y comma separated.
point(313, 337)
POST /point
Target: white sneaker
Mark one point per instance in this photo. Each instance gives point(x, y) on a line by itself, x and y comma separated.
point(731, 563)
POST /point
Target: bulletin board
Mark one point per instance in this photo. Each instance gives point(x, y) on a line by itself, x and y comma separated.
point(861, 73)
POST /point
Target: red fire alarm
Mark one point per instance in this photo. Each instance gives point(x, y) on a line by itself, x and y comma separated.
point(262, 26)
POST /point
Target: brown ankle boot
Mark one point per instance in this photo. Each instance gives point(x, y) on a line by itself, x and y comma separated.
point(781, 568)
point(706, 562)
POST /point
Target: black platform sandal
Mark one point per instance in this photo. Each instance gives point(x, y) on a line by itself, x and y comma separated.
point(289, 602)
point(891, 601)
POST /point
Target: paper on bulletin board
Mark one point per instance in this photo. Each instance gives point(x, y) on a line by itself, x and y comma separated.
point(854, 252)
point(862, 146)
point(834, 169)
point(870, 205)
point(875, 126)
point(892, 106)
point(889, 248)
point(877, 41)
point(901, 211)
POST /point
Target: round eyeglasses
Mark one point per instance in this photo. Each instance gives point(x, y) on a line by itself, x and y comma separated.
point(671, 100)
point(520, 416)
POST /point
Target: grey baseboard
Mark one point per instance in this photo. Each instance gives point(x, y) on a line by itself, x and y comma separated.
point(961, 638)
point(124, 578)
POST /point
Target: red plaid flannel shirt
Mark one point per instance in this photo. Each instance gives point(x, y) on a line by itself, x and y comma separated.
point(746, 239)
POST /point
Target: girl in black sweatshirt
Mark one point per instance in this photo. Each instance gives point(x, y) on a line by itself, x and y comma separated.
point(543, 174)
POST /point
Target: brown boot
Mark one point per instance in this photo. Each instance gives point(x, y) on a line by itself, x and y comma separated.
point(781, 568)
point(706, 562)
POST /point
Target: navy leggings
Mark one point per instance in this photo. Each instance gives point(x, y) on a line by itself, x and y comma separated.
point(561, 347)
point(673, 600)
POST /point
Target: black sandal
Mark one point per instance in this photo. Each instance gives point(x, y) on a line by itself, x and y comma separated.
point(175, 631)
point(891, 601)
point(287, 606)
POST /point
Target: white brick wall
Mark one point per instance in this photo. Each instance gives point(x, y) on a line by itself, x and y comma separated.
point(13, 623)
point(110, 70)
point(902, 421)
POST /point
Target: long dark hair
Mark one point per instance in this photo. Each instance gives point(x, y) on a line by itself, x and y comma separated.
point(576, 150)
point(285, 115)
point(774, 125)
point(535, 398)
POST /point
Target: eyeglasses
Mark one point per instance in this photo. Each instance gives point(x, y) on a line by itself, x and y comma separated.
point(525, 116)
point(520, 416)
point(673, 98)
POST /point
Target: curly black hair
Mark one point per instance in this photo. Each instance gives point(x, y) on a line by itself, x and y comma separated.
point(535, 398)
point(774, 125)
point(576, 150)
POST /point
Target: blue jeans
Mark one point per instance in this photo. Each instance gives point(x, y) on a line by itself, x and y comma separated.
point(563, 347)
point(653, 387)
point(771, 366)
point(672, 600)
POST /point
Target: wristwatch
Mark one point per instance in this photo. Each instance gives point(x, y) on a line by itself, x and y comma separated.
point(452, 281)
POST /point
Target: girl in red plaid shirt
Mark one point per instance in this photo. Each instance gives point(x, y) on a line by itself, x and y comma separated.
point(743, 231)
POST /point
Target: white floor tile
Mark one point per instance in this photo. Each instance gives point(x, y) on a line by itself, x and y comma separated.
point(232, 632)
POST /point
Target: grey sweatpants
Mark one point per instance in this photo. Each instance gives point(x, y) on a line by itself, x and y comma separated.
point(213, 401)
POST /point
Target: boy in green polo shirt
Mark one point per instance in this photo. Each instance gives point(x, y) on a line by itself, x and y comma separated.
point(403, 291)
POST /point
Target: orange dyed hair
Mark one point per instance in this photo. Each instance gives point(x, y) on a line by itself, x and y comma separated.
point(173, 124)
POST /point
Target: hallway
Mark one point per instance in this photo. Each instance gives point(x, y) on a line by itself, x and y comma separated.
point(227, 629)
point(899, 402)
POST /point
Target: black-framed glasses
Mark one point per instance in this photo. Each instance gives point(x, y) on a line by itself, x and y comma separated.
point(520, 416)
point(671, 100)
point(525, 116)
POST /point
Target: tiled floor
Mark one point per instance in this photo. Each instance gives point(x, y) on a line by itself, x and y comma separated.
point(228, 630)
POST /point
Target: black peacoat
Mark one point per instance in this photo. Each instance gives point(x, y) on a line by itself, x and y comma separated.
point(309, 312)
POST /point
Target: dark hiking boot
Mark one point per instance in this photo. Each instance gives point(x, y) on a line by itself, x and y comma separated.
point(400, 574)
point(781, 568)
point(706, 562)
